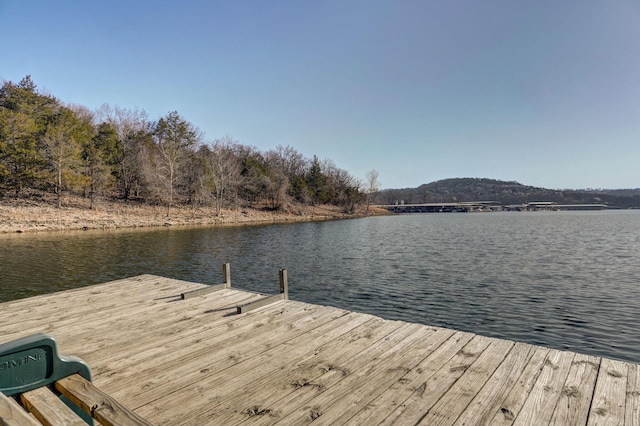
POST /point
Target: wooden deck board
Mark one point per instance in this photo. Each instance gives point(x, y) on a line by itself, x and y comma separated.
point(428, 393)
point(171, 330)
point(341, 396)
point(543, 398)
point(490, 399)
point(458, 397)
point(265, 393)
point(95, 326)
point(330, 370)
point(187, 369)
point(575, 399)
point(399, 394)
point(228, 357)
point(510, 409)
point(632, 406)
point(180, 353)
point(298, 366)
point(93, 305)
point(196, 361)
point(609, 398)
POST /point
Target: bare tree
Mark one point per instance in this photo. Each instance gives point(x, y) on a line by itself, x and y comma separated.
point(289, 168)
point(133, 129)
point(340, 188)
point(286, 165)
point(62, 150)
point(349, 194)
point(290, 161)
point(222, 171)
point(372, 186)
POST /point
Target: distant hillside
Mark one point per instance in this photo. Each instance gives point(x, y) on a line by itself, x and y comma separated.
point(477, 189)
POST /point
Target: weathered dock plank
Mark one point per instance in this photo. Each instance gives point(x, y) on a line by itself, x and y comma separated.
point(243, 405)
point(510, 409)
point(210, 357)
point(632, 405)
point(428, 393)
point(197, 361)
point(543, 398)
point(343, 395)
point(298, 368)
point(573, 406)
point(609, 398)
point(489, 400)
point(447, 343)
point(458, 397)
point(351, 353)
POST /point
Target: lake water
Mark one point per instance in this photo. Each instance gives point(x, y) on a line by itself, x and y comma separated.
point(567, 280)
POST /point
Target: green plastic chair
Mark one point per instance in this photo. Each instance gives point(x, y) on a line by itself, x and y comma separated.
point(32, 362)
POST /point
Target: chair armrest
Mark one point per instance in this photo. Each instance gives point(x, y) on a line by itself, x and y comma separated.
point(98, 404)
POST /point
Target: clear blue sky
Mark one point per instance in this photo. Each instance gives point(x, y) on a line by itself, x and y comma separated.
point(543, 92)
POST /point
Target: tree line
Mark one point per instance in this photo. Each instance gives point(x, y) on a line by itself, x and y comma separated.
point(46, 145)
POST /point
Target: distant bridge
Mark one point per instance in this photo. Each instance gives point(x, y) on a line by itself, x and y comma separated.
point(467, 206)
point(486, 206)
point(547, 205)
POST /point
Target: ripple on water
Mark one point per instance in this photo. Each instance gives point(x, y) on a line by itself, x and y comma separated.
point(566, 280)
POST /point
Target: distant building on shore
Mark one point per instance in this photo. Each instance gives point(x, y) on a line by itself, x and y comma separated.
point(553, 206)
point(487, 206)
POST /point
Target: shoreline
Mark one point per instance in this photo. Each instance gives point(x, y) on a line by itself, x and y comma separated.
point(25, 215)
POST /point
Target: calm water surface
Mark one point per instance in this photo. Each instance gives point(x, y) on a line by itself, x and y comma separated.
point(568, 280)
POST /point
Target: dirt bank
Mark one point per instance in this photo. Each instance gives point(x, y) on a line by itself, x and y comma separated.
point(39, 215)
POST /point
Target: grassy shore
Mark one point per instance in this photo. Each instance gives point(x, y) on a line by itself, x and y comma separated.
point(39, 214)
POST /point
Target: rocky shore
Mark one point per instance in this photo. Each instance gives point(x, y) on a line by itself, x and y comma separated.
point(40, 215)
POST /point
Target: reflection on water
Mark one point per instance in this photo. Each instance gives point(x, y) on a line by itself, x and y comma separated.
point(561, 279)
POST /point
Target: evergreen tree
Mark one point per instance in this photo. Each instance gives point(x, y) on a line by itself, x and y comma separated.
point(99, 154)
point(316, 181)
point(24, 117)
point(175, 138)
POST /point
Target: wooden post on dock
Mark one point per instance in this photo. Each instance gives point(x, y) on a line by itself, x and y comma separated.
point(284, 284)
point(226, 275)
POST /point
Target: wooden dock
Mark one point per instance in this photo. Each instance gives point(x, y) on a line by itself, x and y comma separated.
point(198, 361)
